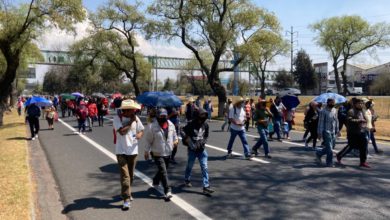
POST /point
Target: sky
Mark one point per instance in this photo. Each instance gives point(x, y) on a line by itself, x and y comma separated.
point(298, 14)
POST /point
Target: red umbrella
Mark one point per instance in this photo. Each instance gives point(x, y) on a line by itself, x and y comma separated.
point(116, 95)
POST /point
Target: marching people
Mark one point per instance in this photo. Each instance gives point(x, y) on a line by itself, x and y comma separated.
point(129, 131)
point(173, 116)
point(209, 108)
point(372, 117)
point(311, 124)
point(102, 109)
point(327, 130)
point(20, 105)
point(81, 115)
point(160, 140)
point(92, 113)
point(237, 118)
point(195, 136)
point(226, 108)
point(33, 114)
point(190, 109)
point(357, 133)
point(277, 109)
point(262, 116)
point(50, 114)
point(248, 114)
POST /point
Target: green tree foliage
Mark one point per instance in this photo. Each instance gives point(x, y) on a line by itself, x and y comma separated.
point(215, 25)
point(283, 80)
point(53, 82)
point(264, 46)
point(169, 85)
point(303, 72)
point(20, 25)
point(347, 36)
point(114, 40)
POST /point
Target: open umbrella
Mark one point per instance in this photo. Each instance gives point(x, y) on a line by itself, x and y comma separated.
point(98, 94)
point(38, 101)
point(77, 94)
point(65, 96)
point(159, 99)
point(325, 96)
point(290, 101)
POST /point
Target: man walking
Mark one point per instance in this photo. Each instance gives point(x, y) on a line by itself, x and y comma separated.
point(226, 108)
point(195, 136)
point(262, 116)
point(356, 133)
point(33, 114)
point(237, 118)
point(160, 140)
point(130, 130)
point(327, 129)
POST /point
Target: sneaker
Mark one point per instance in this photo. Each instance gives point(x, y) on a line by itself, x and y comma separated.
point(131, 198)
point(365, 165)
point(168, 196)
point(268, 156)
point(248, 157)
point(126, 205)
point(36, 136)
point(318, 159)
point(33, 138)
point(229, 155)
point(187, 183)
point(208, 190)
point(254, 152)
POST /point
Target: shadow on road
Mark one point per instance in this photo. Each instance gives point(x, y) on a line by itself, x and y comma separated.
point(92, 202)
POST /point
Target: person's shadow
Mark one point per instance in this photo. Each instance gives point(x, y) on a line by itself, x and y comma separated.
point(81, 204)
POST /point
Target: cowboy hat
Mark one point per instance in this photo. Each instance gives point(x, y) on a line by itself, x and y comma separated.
point(129, 104)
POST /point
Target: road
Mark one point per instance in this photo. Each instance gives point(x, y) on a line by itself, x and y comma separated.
point(288, 186)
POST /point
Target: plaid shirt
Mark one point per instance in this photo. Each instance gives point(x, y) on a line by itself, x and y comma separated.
point(328, 121)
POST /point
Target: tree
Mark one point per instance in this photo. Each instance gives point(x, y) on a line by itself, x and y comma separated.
point(347, 36)
point(283, 79)
point(20, 25)
point(169, 85)
point(118, 24)
point(304, 73)
point(215, 26)
point(53, 82)
point(264, 47)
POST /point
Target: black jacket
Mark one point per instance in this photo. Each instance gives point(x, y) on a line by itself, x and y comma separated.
point(197, 132)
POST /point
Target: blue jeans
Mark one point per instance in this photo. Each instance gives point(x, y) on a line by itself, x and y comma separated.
point(81, 125)
point(277, 123)
point(329, 142)
point(262, 141)
point(371, 136)
point(202, 157)
point(241, 134)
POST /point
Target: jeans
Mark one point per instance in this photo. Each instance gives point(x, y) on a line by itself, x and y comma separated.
point(126, 168)
point(202, 157)
point(227, 122)
point(359, 141)
point(277, 123)
point(101, 119)
point(329, 142)
point(34, 125)
point(262, 141)
point(373, 141)
point(162, 174)
point(81, 124)
point(241, 134)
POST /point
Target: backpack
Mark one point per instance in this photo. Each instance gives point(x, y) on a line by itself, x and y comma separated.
point(33, 111)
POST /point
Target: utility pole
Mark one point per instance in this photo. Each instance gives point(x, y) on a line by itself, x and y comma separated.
point(292, 46)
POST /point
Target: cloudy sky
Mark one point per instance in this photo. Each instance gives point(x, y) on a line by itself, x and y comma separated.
point(296, 13)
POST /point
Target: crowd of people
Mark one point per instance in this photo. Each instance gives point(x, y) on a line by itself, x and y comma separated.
point(163, 130)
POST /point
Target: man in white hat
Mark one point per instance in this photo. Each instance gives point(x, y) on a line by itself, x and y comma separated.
point(161, 137)
point(129, 129)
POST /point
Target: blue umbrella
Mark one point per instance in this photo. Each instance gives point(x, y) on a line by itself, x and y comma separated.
point(159, 99)
point(38, 101)
point(78, 94)
point(325, 96)
point(290, 101)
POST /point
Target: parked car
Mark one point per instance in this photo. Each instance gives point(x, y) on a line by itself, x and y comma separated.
point(350, 90)
point(269, 92)
point(288, 91)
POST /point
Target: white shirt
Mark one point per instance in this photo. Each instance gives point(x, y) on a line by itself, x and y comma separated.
point(127, 144)
point(239, 116)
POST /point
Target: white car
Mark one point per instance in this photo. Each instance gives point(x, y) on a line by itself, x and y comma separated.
point(288, 91)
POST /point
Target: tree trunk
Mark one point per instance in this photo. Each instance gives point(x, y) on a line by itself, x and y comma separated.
point(220, 91)
point(336, 77)
point(344, 77)
point(262, 84)
point(137, 91)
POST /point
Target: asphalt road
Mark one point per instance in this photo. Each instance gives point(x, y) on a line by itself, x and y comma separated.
point(288, 186)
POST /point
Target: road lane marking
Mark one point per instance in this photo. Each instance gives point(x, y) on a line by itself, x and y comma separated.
point(194, 212)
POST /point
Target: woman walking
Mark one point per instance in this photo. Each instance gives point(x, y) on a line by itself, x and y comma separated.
point(311, 120)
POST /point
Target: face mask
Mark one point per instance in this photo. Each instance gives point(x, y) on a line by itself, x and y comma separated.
point(161, 120)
